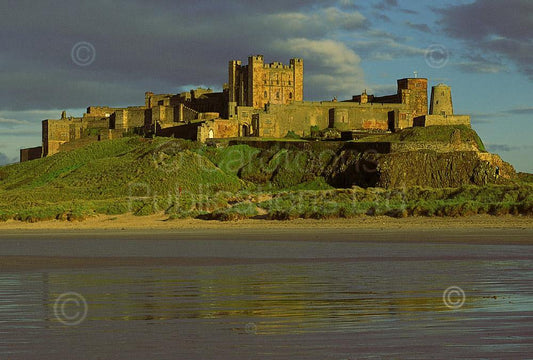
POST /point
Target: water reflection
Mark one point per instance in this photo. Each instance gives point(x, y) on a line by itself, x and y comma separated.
point(284, 298)
point(278, 299)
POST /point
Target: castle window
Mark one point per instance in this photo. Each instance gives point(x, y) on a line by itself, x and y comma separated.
point(265, 82)
point(290, 82)
point(277, 95)
point(290, 95)
point(265, 95)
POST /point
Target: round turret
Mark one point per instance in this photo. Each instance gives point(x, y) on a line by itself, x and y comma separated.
point(441, 100)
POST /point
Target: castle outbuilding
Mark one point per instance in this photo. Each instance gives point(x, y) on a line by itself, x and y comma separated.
point(441, 100)
point(441, 109)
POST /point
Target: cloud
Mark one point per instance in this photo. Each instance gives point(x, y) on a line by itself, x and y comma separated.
point(387, 49)
point(335, 67)
point(314, 24)
point(500, 27)
point(386, 4)
point(34, 131)
point(521, 111)
point(148, 46)
point(392, 5)
point(480, 119)
point(480, 64)
point(487, 118)
point(409, 11)
point(420, 27)
point(4, 159)
point(12, 121)
point(504, 147)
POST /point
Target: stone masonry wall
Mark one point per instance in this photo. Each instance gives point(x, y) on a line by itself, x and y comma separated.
point(300, 117)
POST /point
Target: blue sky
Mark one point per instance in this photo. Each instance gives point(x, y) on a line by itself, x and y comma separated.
point(482, 48)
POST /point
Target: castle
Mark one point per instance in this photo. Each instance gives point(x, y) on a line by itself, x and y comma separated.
point(260, 100)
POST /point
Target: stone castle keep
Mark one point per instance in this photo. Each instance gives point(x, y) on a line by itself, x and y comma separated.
point(260, 100)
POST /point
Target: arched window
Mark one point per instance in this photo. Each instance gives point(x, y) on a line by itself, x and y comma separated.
point(265, 95)
point(277, 95)
point(211, 134)
point(290, 95)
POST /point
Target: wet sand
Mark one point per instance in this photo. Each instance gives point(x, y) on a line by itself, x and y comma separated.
point(126, 240)
point(35, 249)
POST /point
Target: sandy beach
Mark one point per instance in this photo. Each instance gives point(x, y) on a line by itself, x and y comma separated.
point(160, 222)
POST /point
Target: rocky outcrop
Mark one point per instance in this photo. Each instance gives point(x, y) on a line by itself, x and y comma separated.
point(434, 169)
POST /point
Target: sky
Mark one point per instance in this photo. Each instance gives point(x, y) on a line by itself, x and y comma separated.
point(67, 55)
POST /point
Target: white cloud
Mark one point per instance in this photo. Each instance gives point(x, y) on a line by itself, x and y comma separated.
point(319, 22)
point(335, 67)
point(12, 121)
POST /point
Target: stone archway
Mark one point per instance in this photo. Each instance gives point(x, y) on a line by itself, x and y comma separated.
point(211, 134)
point(245, 130)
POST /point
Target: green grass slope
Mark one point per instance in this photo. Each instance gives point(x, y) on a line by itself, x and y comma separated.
point(108, 177)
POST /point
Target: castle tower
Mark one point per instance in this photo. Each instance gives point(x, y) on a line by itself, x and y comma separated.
point(413, 92)
point(255, 79)
point(236, 86)
point(441, 100)
point(297, 66)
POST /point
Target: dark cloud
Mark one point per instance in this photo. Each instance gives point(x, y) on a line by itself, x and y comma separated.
point(480, 119)
point(138, 46)
point(502, 148)
point(386, 4)
point(521, 111)
point(381, 17)
point(499, 27)
point(480, 64)
point(409, 11)
point(488, 118)
point(420, 27)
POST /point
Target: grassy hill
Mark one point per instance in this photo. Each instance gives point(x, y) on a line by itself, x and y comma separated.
point(188, 179)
